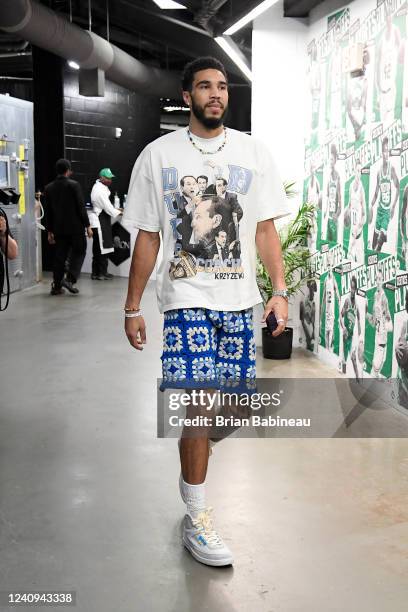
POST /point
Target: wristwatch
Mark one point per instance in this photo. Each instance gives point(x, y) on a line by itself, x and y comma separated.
point(281, 293)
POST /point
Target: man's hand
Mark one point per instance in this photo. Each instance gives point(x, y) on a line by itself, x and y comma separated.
point(51, 238)
point(3, 226)
point(89, 232)
point(279, 306)
point(135, 329)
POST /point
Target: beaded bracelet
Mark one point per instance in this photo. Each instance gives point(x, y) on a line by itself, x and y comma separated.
point(132, 315)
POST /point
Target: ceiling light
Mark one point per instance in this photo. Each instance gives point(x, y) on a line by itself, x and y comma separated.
point(231, 49)
point(73, 64)
point(263, 6)
point(168, 4)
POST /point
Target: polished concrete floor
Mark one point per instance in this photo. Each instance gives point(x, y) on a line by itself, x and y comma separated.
point(89, 498)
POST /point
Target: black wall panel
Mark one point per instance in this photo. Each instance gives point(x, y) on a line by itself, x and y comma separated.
point(90, 123)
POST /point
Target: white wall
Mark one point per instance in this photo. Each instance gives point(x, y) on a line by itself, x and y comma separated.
point(279, 85)
point(279, 59)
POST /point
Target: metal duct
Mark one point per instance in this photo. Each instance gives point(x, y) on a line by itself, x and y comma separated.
point(44, 28)
point(208, 10)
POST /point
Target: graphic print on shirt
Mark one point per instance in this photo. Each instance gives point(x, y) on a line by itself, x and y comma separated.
point(205, 217)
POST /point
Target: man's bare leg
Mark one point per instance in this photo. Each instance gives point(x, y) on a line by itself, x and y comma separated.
point(194, 459)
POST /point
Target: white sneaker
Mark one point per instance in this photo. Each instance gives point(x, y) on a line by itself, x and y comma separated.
point(203, 541)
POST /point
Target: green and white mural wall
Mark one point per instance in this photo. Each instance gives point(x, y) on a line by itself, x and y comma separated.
point(356, 174)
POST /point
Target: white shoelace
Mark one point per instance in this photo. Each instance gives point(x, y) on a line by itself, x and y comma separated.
point(203, 523)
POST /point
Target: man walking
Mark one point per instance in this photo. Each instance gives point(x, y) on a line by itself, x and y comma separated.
point(100, 219)
point(66, 221)
point(208, 320)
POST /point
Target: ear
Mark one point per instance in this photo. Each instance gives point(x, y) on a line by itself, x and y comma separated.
point(187, 97)
point(217, 220)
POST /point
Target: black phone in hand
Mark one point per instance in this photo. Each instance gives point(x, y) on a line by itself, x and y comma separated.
point(271, 322)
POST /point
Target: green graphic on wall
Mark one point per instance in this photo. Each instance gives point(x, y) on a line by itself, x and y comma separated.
point(356, 174)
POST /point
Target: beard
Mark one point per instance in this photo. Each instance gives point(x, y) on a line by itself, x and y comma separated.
point(208, 122)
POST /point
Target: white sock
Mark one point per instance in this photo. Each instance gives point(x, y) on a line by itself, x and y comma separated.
point(195, 497)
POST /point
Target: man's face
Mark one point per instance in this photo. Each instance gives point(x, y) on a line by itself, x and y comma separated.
point(105, 181)
point(353, 289)
point(190, 187)
point(202, 223)
point(208, 99)
point(202, 184)
point(332, 161)
point(379, 280)
point(385, 152)
point(221, 238)
point(220, 187)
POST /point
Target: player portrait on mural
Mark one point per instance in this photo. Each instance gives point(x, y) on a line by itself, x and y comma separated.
point(389, 54)
point(401, 355)
point(386, 177)
point(333, 198)
point(307, 315)
point(328, 315)
point(355, 217)
point(357, 98)
point(314, 197)
point(380, 319)
point(351, 332)
point(315, 87)
point(403, 227)
point(334, 103)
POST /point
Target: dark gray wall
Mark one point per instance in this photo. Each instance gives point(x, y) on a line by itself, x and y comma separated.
point(90, 123)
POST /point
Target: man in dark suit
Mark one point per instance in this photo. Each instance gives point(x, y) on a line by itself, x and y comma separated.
point(219, 248)
point(66, 220)
point(186, 203)
point(231, 199)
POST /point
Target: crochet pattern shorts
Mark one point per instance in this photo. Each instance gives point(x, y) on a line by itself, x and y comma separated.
point(205, 348)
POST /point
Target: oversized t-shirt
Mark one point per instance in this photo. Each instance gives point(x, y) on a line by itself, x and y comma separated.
point(207, 208)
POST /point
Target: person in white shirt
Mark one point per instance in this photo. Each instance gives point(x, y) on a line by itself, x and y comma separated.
point(100, 220)
point(208, 337)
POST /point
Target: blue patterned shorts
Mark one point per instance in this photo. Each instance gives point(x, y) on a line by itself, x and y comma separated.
point(208, 348)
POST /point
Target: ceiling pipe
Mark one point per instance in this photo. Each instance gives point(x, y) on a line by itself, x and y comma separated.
point(208, 10)
point(45, 29)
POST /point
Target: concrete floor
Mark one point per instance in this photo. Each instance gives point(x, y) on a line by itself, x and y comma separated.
point(89, 498)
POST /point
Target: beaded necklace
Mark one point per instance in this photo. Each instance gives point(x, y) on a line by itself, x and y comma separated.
point(202, 151)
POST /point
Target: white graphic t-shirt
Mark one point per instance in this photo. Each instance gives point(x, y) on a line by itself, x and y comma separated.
point(207, 208)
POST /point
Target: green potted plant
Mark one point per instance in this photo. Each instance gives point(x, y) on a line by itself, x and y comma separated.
point(296, 259)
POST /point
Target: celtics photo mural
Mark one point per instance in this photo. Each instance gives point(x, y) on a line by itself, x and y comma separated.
point(355, 313)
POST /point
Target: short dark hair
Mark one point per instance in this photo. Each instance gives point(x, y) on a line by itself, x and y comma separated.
point(224, 181)
point(201, 63)
point(354, 281)
point(203, 177)
point(62, 166)
point(186, 176)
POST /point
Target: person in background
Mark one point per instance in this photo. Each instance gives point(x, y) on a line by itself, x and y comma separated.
point(100, 220)
point(6, 242)
point(66, 221)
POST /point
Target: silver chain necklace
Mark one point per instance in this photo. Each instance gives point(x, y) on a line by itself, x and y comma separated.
point(202, 151)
